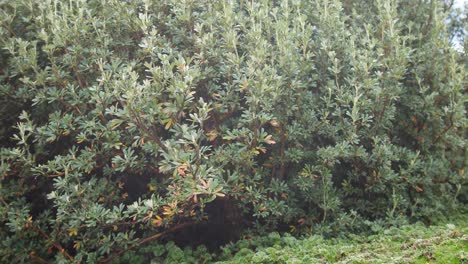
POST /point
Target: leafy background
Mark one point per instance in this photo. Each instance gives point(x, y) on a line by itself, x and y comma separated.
point(124, 122)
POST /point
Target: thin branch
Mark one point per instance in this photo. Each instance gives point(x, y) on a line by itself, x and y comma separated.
point(67, 105)
point(446, 129)
point(38, 259)
point(147, 131)
point(150, 134)
point(144, 241)
point(282, 169)
point(54, 243)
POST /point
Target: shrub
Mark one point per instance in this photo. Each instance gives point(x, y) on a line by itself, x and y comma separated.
point(123, 120)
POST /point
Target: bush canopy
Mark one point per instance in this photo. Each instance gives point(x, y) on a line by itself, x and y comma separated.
point(125, 121)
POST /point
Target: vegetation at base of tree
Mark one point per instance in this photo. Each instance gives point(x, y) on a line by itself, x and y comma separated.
point(416, 243)
point(445, 241)
point(125, 124)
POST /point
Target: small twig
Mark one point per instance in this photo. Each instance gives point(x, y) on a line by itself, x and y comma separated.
point(4, 202)
point(78, 77)
point(449, 5)
point(282, 169)
point(54, 243)
point(74, 107)
point(8, 28)
point(144, 241)
point(446, 129)
point(38, 259)
point(59, 174)
point(381, 113)
point(120, 224)
point(147, 131)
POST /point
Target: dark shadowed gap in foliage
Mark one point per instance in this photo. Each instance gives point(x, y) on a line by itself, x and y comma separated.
point(135, 185)
point(224, 225)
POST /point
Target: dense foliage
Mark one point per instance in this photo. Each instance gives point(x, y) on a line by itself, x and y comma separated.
point(126, 121)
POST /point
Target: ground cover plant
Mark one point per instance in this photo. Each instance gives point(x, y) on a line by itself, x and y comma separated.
point(128, 122)
point(445, 241)
point(417, 243)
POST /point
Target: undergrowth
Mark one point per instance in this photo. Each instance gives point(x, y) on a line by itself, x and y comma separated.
point(444, 242)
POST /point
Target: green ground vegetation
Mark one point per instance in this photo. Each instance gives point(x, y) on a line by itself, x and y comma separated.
point(408, 244)
point(444, 241)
